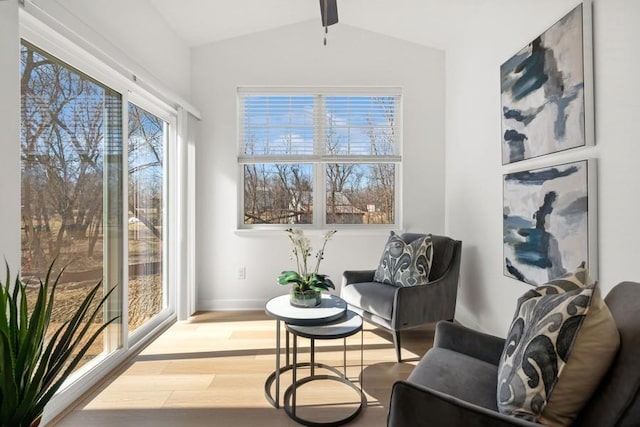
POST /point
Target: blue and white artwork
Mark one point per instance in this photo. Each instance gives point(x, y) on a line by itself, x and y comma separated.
point(546, 222)
point(542, 90)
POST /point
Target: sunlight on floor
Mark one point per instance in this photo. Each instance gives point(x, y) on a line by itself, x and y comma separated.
point(211, 371)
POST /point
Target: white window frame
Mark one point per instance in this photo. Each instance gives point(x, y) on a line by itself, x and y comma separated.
point(319, 159)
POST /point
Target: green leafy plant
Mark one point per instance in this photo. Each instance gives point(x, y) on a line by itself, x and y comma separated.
point(304, 279)
point(33, 367)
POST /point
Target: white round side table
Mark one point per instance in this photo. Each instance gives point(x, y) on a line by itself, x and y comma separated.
point(331, 308)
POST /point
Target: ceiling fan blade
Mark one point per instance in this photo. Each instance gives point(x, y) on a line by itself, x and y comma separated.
point(329, 11)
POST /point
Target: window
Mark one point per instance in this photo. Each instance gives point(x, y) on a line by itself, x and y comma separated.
point(147, 284)
point(75, 207)
point(71, 158)
point(101, 190)
point(319, 157)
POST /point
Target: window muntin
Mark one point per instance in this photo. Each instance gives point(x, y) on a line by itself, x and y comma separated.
point(350, 141)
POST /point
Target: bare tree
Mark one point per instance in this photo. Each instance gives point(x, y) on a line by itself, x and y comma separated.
point(145, 155)
point(338, 174)
point(62, 138)
point(382, 182)
point(282, 192)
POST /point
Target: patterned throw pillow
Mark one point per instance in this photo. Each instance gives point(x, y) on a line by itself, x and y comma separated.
point(405, 264)
point(593, 352)
point(550, 364)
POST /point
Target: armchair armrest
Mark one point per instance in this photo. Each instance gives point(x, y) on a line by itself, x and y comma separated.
point(413, 405)
point(415, 305)
point(467, 341)
point(357, 276)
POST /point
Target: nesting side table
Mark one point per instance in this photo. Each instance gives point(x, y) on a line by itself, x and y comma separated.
point(330, 309)
point(346, 326)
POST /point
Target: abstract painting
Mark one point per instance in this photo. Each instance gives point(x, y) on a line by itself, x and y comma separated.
point(546, 221)
point(543, 93)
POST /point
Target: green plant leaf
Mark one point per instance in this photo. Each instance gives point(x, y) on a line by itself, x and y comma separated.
point(45, 397)
point(31, 374)
point(288, 277)
point(7, 382)
point(35, 385)
point(66, 344)
point(30, 345)
point(320, 282)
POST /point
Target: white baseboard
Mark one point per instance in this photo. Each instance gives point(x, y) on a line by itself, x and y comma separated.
point(230, 304)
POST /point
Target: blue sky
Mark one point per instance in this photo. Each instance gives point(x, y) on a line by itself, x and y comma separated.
point(285, 124)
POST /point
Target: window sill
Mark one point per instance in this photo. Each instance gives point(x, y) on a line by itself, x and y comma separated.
point(261, 232)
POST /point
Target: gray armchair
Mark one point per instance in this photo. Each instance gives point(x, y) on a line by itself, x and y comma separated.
point(397, 308)
point(455, 382)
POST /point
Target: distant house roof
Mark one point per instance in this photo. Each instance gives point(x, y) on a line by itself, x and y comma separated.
point(342, 205)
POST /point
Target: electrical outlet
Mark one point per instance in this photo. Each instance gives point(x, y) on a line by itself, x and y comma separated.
point(242, 273)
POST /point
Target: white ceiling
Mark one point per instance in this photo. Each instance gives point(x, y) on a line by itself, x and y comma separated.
point(428, 22)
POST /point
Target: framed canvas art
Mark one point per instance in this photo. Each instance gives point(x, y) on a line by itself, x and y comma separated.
point(546, 91)
point(549, 217)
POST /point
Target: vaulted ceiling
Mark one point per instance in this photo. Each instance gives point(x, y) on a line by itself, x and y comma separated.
point(428, 22)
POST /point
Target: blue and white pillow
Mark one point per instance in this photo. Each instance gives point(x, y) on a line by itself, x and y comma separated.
point(560, 344)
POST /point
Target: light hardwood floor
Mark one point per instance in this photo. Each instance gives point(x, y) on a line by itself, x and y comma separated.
point(211, 371)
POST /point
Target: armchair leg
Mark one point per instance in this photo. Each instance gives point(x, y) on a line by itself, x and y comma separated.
point(397, 345)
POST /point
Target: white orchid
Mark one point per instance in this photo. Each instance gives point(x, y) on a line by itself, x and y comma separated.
point(329, 233)
point(295, 234)
point(301, 250)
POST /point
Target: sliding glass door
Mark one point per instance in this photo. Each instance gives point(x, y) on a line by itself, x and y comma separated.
point(94, 197)
point(72, 211)
point(146, 218)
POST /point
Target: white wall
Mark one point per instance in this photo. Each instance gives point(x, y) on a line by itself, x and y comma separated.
point(473, 168)
point(132, 33)
point(9, 135)
point(294, 55)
